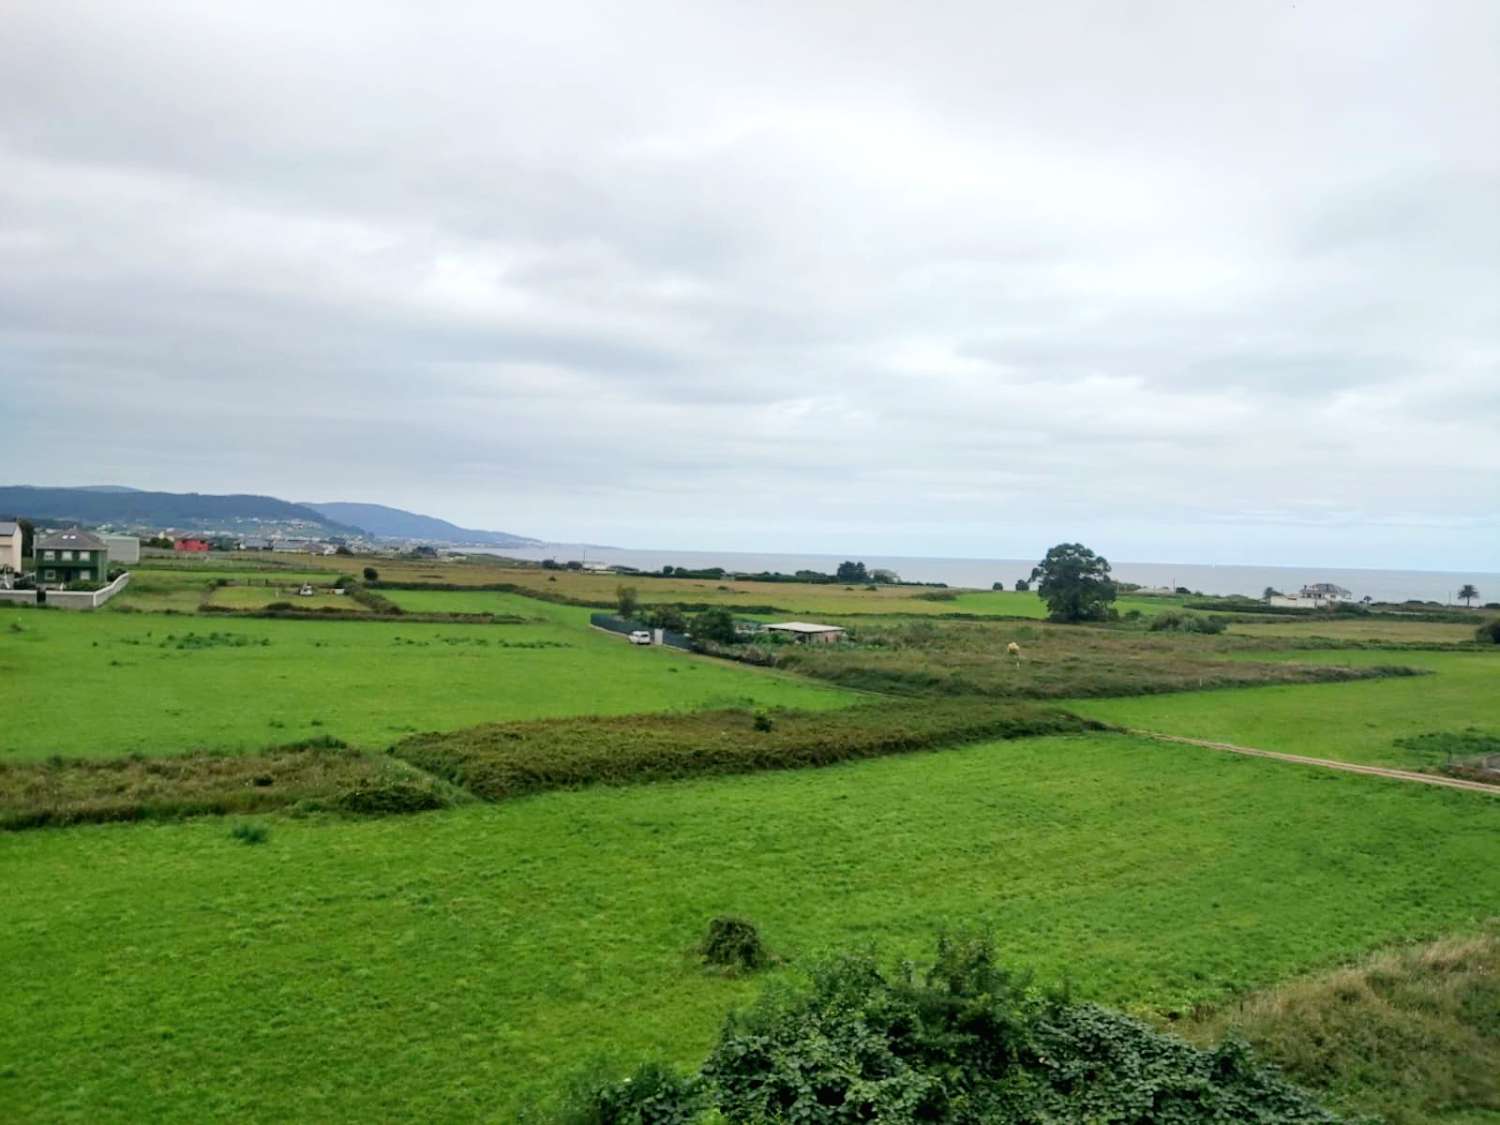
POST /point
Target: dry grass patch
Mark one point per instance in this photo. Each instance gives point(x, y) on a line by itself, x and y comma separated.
point(1412, 1034)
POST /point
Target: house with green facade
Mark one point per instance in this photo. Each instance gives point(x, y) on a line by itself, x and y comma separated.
point(62, 558)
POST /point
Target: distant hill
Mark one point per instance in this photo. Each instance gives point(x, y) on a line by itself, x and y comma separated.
point(188, 511)
point(393, 523)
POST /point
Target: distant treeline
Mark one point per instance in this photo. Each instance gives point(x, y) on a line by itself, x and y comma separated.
point(847, 573)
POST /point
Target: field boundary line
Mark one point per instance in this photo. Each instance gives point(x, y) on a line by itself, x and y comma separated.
point(1325, 763)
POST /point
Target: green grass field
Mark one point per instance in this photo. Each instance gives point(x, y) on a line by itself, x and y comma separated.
point(183, 589)
point(1353, 722)
point(111, 683)
point(449, 965)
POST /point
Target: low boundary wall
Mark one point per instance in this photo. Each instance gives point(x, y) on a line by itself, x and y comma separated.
point(87, 599)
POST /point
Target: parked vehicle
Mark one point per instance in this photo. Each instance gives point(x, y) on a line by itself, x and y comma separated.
point(640, 637)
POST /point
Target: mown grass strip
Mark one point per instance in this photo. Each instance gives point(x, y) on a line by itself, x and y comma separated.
point(502, 760)
point(323, 775)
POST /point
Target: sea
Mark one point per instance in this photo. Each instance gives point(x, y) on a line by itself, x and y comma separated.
point(1380, 585)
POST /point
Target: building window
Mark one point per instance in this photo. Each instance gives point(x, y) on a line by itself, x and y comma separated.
point(49, 555)
point(49, 575)
point(67, 556)
point(86, 575)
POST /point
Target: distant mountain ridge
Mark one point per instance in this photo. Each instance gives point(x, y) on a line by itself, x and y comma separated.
point(383, 522)
point(115, 504)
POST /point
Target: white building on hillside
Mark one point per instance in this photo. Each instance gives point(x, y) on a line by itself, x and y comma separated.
point(10, 546)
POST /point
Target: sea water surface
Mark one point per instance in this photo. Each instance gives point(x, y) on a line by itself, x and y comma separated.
point(1381, 585)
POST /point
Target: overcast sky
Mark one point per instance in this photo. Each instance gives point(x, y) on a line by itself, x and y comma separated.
point(1188, 281)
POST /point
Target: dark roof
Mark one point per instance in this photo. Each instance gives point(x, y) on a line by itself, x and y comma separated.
point(74, 539)
point(8, 527)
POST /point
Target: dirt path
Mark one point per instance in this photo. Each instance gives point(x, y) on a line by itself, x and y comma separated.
point(1327, 763)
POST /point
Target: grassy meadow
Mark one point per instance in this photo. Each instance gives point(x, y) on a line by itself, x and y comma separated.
point(106, 683)
point(301, 958)
point(470, 959)
point(1364, 721)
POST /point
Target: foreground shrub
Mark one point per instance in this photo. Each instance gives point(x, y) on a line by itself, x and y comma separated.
point(501, 760)
point(1488, 633)
point(654, 1095)
point(964, 1041)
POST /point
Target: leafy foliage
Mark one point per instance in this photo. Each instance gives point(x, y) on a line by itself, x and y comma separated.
point(626, 600)
point(668, 617)
point(1075, 583)
point(654, 1095)
point(1173, 620)
point(715, 625)
point(1488, 633)
point(964, 1041)
point(849, 571)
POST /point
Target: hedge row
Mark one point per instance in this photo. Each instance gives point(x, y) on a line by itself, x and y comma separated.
point(317, 775)
point(502, 760)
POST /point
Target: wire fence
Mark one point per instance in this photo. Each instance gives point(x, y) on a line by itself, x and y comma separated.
point(622, 625)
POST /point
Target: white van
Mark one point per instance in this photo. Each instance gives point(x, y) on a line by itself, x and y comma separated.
point(640, 637)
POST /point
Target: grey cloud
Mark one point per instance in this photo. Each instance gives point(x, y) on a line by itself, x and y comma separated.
point(933, 277)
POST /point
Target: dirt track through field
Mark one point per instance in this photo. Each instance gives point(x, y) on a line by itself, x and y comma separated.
point(1327, 763)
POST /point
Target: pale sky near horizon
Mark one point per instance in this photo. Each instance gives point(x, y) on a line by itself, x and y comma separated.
point(1201, 282)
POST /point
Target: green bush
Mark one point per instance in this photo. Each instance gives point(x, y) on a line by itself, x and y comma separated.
point(654, 1095)
point(1177, 621)
point(250, 833)
point(716, 625)
point(1488, 633)
point(734, 944)
point(965, 1041)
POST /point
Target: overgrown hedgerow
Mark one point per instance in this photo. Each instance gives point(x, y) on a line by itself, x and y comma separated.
point(316, 774)
point(501, 760)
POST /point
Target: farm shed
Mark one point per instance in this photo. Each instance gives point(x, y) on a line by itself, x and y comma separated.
point(806, 632)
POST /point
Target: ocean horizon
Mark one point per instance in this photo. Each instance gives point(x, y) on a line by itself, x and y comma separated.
point(1207, 578)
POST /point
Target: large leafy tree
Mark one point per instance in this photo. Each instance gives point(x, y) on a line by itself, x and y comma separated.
point(849, 571)
point(1075, 583)
point(1468, 594)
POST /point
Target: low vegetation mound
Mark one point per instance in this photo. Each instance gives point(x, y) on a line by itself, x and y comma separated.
point(1176, 620)
point(1411, 1034)
point(958, 658)
point(735, 945)
point(321, 774)
point(502, 760)
point(963, 1041)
